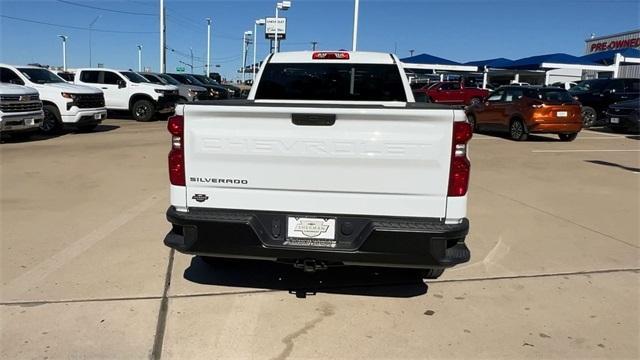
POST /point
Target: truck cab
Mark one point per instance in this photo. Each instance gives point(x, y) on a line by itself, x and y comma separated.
point(63, 103)
point(128, 90)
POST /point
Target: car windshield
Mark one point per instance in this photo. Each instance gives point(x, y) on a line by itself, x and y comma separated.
point(41, 76)
point(192, 80)
point(205, 79)
point(589, 85)
point(134, 77)
point(169, 79)
point(154, 79)
point(555, 95)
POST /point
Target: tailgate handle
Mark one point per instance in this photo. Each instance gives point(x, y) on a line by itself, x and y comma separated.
point(313, 119)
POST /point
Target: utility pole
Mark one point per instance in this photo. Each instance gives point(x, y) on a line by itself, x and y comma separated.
point(90, 41)
point(208, 68)
point(245, 44)
point(255, 44)
point(313, 45)
point(355, 24)
point(64, 51)
point(139, 58)
point(163, 40)
point(411, 52)
point(191, 51)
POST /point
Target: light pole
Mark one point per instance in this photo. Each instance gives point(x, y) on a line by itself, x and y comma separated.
point(163, 45)
point(191, 51)
point(284, 5)
point(355, 24)
point(313, 45)
point(260, 22)
point(64, 51)
point(139, 58)
point(90, 31)
point(208, 69)
point(411, 52)
point(246, 37)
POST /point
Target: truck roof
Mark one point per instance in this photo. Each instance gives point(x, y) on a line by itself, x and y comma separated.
point(359, 57)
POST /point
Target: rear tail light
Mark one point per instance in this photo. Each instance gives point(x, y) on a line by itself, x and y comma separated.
point(175, 125)
point(326, 55)
point(460, 165)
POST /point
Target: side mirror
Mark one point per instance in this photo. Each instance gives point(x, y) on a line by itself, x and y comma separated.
point(121, 84)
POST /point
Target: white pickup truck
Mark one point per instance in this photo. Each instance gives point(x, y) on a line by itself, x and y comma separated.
point(63, 103)
point(328, 162)
point(20, 110)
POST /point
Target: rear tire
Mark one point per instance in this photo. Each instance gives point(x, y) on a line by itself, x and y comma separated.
point(431, 273)
point(52, 123)
point(143, 110)
point(517, 130)
point(472, 120)
point(589, 117)
point(568, 137)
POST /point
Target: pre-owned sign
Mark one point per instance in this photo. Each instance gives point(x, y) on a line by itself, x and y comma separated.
point(270, 28)
point(614, 44)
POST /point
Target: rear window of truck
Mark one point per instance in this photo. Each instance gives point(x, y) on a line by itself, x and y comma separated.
point(322, 81)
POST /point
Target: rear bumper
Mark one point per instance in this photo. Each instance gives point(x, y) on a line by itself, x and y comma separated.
point(555, 127)
point(368, 241)
point(624, 121)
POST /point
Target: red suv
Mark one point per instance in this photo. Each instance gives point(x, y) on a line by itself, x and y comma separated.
point(453, 93)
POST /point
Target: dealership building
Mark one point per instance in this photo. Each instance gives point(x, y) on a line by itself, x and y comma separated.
point(616, 55)
point(616, 43)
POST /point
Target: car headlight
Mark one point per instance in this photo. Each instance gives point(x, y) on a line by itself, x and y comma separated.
point(166, 92)
point(213, 92)
point(68, 95)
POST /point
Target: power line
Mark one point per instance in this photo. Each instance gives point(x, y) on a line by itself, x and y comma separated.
point(105, 9)
point(76, 27)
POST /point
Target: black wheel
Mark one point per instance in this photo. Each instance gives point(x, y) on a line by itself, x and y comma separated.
point(474, 101)
point(431, 273)
point(517, 131)
point(143, 110)
point(87, 128)
point(589, 117)
point(472, 120)
point(568, 137)
point(52, 122)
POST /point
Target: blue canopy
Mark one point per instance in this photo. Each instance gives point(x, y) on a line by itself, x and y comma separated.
point(608, 57)
point(492, 63)
point(534, 62)
point(428, 59)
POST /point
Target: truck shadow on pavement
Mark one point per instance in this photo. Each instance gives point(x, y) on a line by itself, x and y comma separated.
point(38, 136)
point(348, 280)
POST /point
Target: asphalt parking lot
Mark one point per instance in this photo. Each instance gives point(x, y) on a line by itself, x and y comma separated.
point(554, 273)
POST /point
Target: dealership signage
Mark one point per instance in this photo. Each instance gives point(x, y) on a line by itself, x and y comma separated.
point(614, 44)
point(270, 28)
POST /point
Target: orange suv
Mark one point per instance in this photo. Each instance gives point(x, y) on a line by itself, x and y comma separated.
point(523, 110)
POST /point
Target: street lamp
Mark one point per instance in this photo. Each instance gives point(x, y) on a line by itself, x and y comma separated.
point(284, 5)
point(208, 70)
point(64, 51)
point(356, 11)
point(139, 58)
point(246, 37)
point(260, 22)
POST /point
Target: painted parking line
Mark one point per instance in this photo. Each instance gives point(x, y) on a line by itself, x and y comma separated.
point(586, 150)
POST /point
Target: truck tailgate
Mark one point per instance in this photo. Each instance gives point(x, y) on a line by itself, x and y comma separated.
point(372, 161)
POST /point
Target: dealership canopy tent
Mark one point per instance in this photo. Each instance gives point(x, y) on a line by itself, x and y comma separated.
point(430, 62)
point(491, 63)
point(554, 61)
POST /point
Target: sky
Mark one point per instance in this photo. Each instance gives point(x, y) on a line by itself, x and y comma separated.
point(460, 30)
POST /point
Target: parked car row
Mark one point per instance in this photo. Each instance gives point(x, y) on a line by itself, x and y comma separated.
point(34, 97)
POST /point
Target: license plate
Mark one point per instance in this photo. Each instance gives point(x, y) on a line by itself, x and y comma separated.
point(97, 116)
point(615, 120)
point(562, 114)
point(312, 232)
point(29, 122)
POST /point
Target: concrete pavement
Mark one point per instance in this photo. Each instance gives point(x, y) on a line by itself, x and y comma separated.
point(554, 269)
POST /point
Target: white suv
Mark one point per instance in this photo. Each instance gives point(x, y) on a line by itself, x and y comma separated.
point(63, 103)
point(128, 90)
